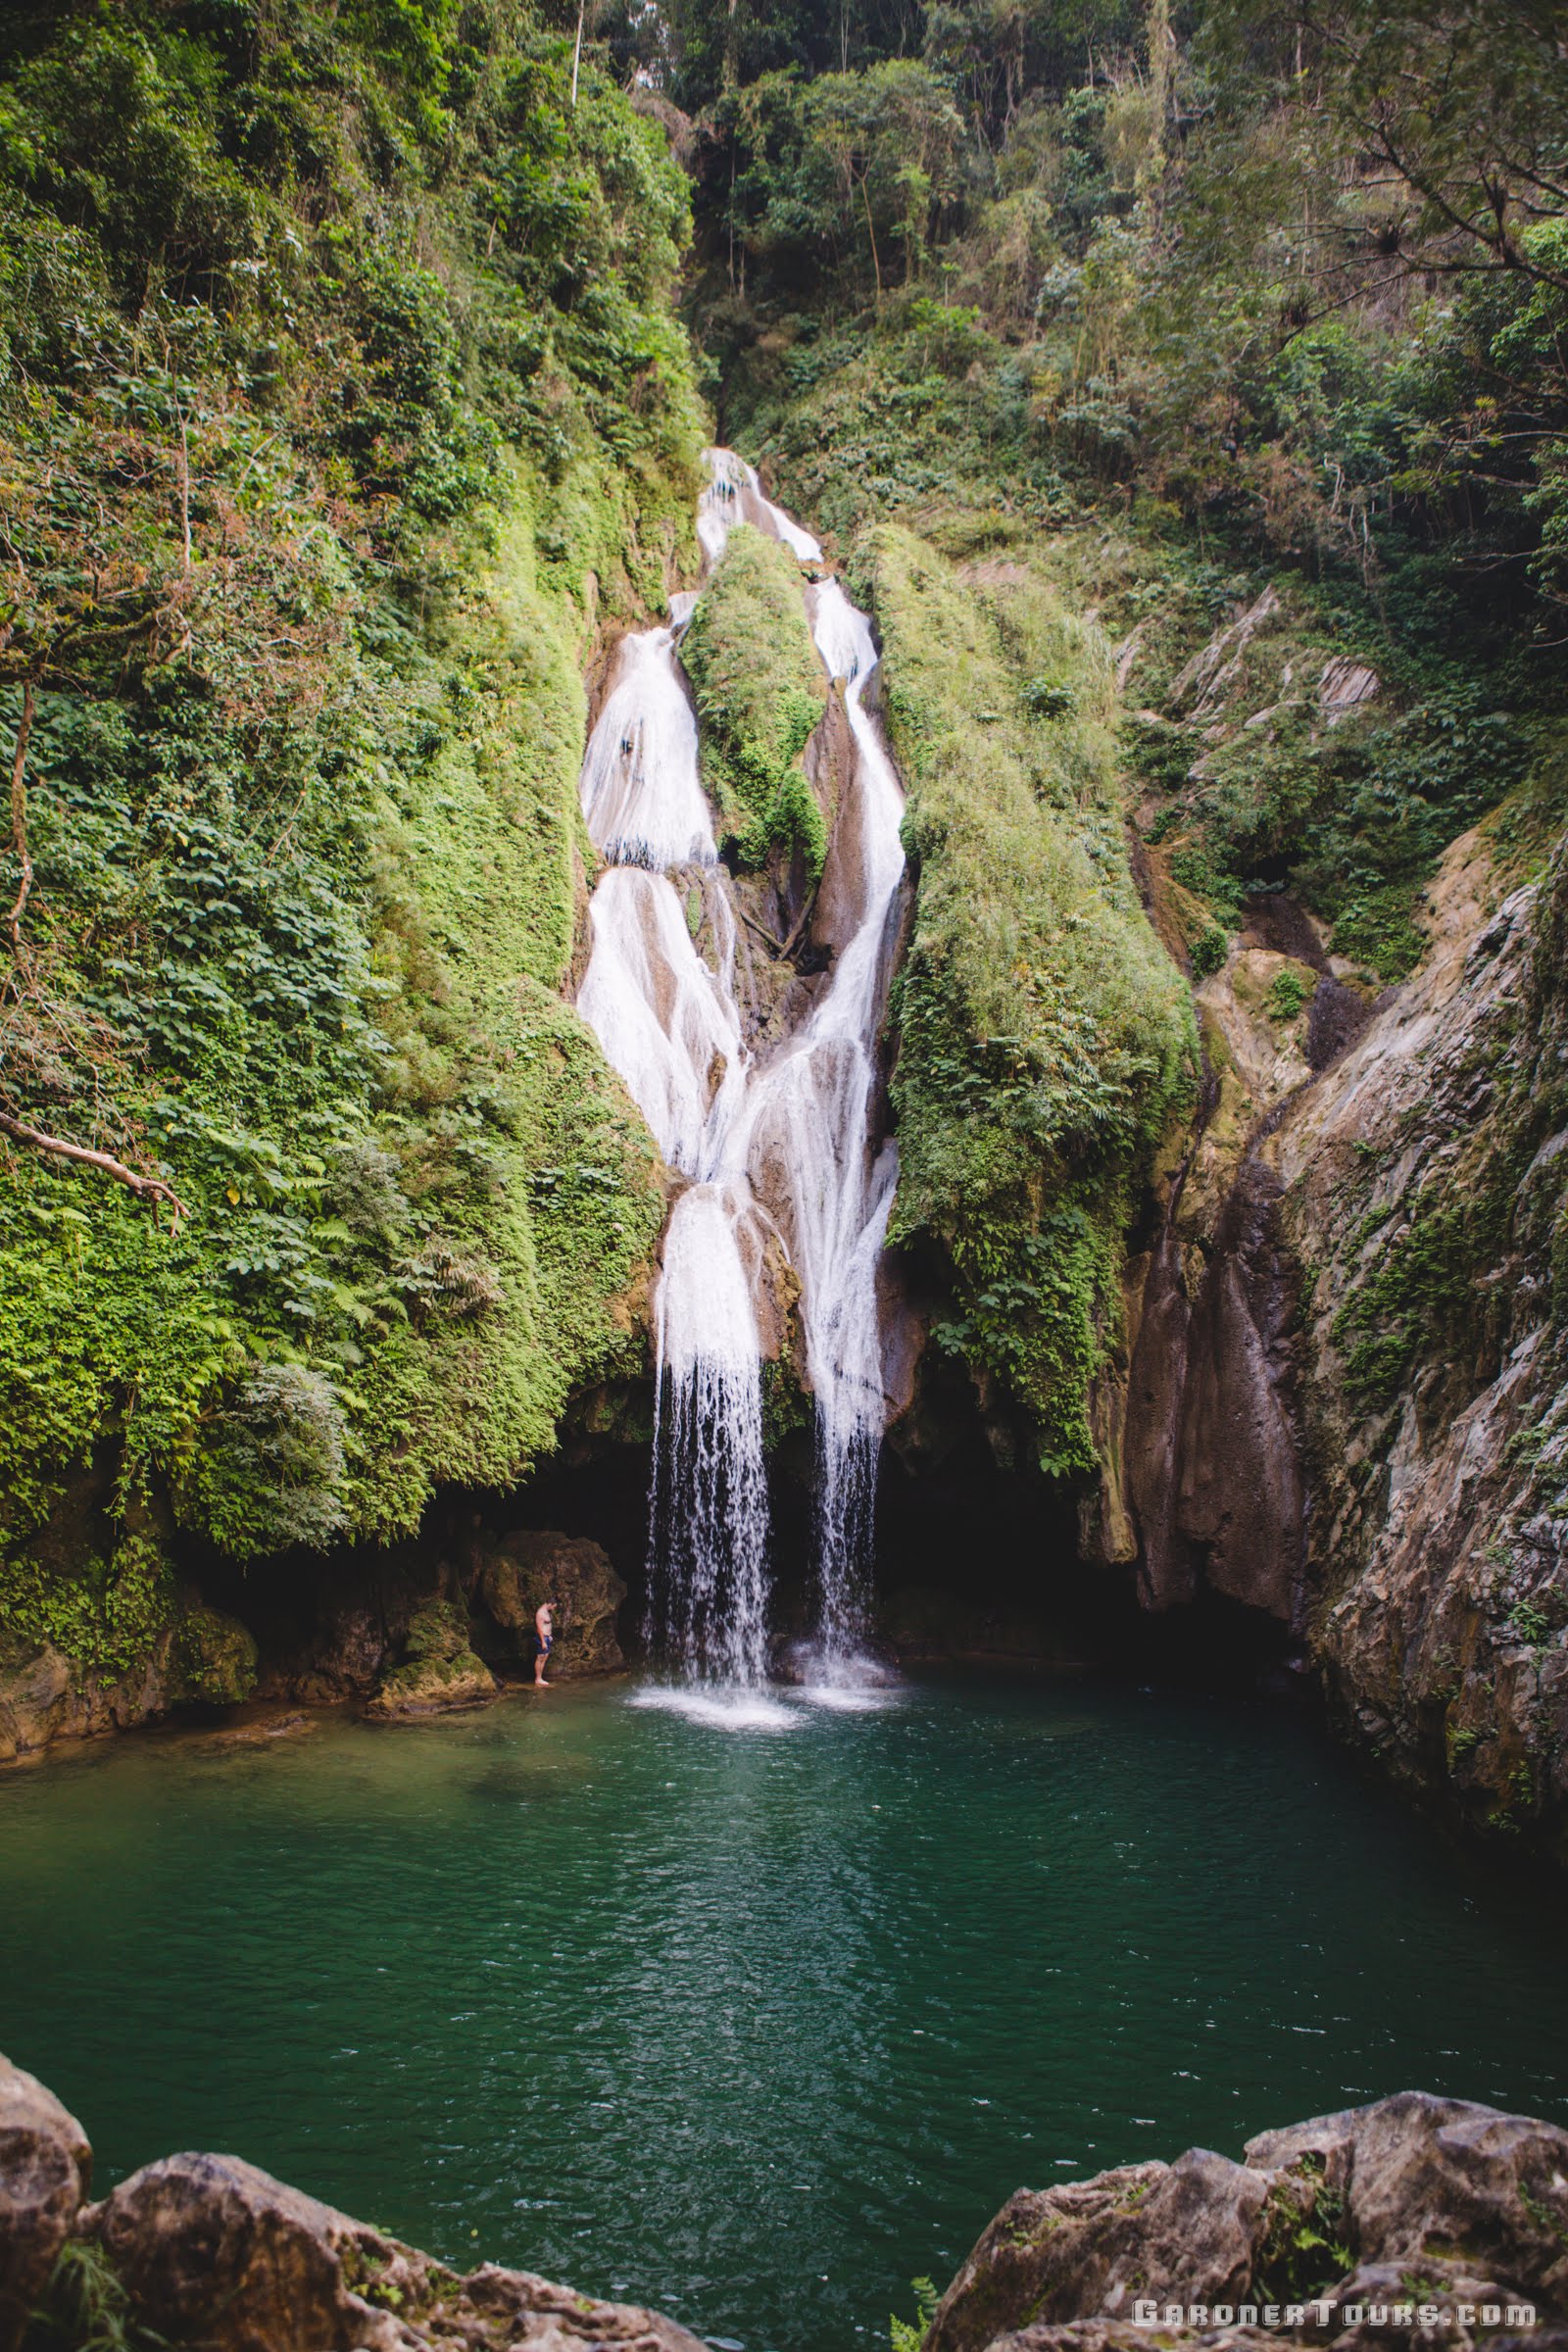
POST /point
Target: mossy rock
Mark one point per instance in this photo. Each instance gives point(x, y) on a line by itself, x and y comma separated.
point(433, 1686)
point(213, 1659)
point(439, 1630)
point(760, 691)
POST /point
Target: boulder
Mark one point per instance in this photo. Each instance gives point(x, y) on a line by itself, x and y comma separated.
point(524, 1568)
point(45, 2171)
point(1416, 2172)
point(440, 1672)
point(1187, 2232)
point(213, 2251)
point(35, 1703)
point(214, 1657)
point(1411, 2200)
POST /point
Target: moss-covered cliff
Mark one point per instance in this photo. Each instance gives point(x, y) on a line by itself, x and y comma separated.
point(341, 408)
point(1044, 1039)
point(759, 692)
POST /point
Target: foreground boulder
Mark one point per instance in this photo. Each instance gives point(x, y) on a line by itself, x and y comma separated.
point(207, 2250)
point(1451, 2214)
point(45, 2170)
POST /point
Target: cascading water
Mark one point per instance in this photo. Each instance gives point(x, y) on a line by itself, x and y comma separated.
point(793, 1131)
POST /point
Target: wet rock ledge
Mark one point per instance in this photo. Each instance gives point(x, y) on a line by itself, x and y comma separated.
point(207, 2251)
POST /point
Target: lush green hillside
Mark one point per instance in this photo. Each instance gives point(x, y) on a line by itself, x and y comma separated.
point(1202, 317)
point(1212, 297)
point(341, 405)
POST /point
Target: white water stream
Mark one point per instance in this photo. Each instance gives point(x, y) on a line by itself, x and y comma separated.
point(777, 1149)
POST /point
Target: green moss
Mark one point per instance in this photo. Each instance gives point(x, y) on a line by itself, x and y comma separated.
point(1421, 1285)
point(302, 793)
point(1044, 1038)
point(787, 1408)
point(1287, 991)
point(759, 691)
point(215, 1657)
point(105, 1615)
point(440, 1630)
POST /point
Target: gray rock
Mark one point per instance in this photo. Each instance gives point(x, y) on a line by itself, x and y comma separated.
point(1414, 2199)
point(45, 2171)
point(1187, 2232)
point(220, 2254)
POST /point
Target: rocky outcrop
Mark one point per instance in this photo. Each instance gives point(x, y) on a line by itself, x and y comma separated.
point(413, 1630)
point(209, 2250)
point(1454, 2211)
point(45, 2169)
point(205, 1658)
point(525, 1569)
point(438, 1672)
point(1423, 1190)
point(1205, 1485)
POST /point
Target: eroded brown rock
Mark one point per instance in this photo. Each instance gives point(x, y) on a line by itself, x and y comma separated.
point(215, 2252)
point(1187, 2230)
point(45, 2170)
point(1413, 2200)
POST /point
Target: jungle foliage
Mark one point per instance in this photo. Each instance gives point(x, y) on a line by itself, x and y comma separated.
point(759, 692)
point(1044, 1039)
point(341, 400)
point(1224, 295)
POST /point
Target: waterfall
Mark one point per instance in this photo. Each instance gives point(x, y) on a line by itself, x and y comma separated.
point(773, 1149)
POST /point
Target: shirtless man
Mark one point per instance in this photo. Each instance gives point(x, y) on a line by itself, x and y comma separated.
point(544, 1643)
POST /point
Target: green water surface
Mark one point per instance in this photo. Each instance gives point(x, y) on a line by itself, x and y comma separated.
point(750, 2025)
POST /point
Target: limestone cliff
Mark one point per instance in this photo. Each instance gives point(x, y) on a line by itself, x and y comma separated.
point(1341, 1396)
point(1423, 1201)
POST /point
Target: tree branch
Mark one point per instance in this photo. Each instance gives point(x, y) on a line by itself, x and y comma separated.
point(145, 1187)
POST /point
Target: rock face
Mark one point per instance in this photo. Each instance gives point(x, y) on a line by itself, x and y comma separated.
point(1344, 1398)
point(1415, 2200)
point(45, 2170)
point(525, 1569)
point(205, 1658)
point(208, 2250)
point(410, 1632)
point(1423, 1182)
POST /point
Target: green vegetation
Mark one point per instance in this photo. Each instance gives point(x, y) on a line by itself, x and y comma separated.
point(759, 692)
point(85, 2307)
point(1303, 2252)
point(908, 2336)
point(1044, 1038)
point(1129, 277)
point(1287, 991)
point(340, 402)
